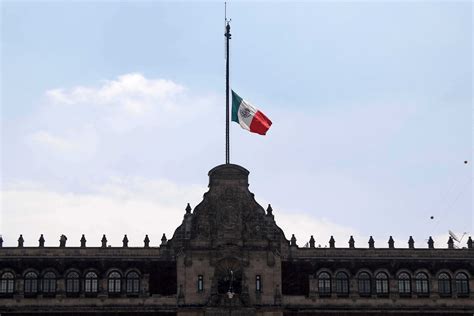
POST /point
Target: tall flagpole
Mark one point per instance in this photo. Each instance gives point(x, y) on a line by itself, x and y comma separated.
point(227, 144)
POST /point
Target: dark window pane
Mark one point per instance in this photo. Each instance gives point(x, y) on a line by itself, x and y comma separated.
point(342, 283)
point(404, 283)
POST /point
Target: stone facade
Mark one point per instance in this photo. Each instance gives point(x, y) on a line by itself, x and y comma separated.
point(228, 257)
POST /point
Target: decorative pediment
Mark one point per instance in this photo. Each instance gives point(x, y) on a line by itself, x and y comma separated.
point(228, 215)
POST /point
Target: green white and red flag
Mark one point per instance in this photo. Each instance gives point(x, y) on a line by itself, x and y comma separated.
point(248, 116)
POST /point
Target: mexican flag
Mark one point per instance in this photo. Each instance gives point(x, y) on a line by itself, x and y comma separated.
point(248, 116)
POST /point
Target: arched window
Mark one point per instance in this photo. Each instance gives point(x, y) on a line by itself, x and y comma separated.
point(342, 284)
point(444, 284)
point(133, 283)
point(421, 284)
point(72, 283)
point(49, 283)
point(7, 283)
point(31, 283)
point(91, 283)
point(462, 284)
point(324, 284)
point(404, 284)
point(381, 283)
point(364, 284)
point(115, 281)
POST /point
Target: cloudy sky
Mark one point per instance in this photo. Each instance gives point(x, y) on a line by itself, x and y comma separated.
point(113, 113)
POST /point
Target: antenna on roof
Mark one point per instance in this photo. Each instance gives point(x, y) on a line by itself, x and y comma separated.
point(453, 235)
point(456, 238)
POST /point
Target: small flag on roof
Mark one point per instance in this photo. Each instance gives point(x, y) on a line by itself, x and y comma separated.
point(248, 116)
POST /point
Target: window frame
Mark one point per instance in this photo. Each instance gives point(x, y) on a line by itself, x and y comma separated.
point(73, 283)
point(324, 284)
point(463, 283)
point(342, 284)
point(114, 283)
point(30, 284)
point(382, 284)
point(444, 285)
point(91, 284)
point(364, 283)
point(422, 284)
point(404, 284)
point(49, 283)
point(7, 283)
point(132, 283)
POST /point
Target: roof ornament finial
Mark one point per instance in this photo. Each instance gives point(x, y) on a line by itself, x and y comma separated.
point(188, 209)
point(20, 241)
point(62, 241)
point(351, 242)
point(146, 242)
point(41, 241)
point(104, 241)
point(293, 241)
point(430, 243)
point(332, 242)
point(391, 243)
point(269, 210)
point(371, 242)
point(164, 240)
point(450, 243)
point(125, 241)
point(83, 241)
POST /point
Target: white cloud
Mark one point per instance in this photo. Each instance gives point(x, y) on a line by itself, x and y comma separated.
point(47, 139)
point(78, 119)
point(129, 97)
point(82, 142)
point(132, 92)
point(131, 206)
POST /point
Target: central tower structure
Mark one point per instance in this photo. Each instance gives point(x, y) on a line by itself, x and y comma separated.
point(229, 247)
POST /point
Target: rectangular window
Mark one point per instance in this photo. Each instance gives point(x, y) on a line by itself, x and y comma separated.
point(200, 283)
point(72, 285)
point(342, 286)
point(364, 287)
point(258, 283)
point(422, 287)
point(381, 286)
point(91, 285)
point(404, 286)
point(3, 286)
point(324, 286)
point(49, 285)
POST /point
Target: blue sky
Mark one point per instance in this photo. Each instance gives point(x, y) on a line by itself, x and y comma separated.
point(112, 114)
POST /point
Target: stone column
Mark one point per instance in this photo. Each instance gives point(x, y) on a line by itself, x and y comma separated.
point(102, 287)
point(393, 287)
point(145, 285)
point(18, 291)
point(60, 287)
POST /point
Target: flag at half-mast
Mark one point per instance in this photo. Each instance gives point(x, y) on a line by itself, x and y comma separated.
point(248, 116)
